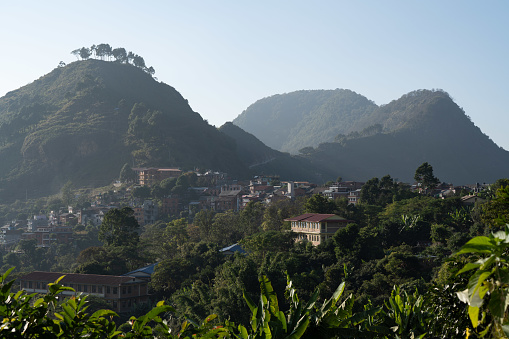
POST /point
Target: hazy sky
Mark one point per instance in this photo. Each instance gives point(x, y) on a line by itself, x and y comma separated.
point(224, 55)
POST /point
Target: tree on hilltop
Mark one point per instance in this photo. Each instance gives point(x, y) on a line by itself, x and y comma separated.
point(119, 54)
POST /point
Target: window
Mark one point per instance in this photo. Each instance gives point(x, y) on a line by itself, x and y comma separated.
point(38, 285)
point(107, 289)
point(115, 290)
point(79, 288)
point(94, 288)
point(100, 289)
point(29, 284)
point(124, 291)
point(129, 290)
point(85, 288)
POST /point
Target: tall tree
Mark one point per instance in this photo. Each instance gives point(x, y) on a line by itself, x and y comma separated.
point(103, 50)
point(320, 204)
point(151, 70)
point(424, 176)
point(119, 228)
point(138, 61)
point(120, 54)
point(76, 53)
point(130, 57)
point(127, 174)
point(68, 194)
point(84, 53)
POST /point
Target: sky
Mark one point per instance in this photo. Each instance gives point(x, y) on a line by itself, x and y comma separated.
point(224, 55)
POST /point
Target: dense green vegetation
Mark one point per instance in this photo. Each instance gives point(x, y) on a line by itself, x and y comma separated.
point(396, 238)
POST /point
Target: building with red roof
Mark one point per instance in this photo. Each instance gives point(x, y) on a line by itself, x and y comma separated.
point(315, 227)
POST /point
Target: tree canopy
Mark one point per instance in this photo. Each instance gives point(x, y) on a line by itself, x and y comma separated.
point(105, 51)
point(424, 176)
point(119, 227)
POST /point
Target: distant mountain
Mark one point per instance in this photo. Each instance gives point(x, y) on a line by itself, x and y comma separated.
point(82, 122)
point(421, 126)
point(263, 160)
point(289, 122)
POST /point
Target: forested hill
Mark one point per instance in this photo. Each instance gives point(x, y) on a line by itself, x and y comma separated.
point(84, 121)
point(421, 126)
point(291, 121)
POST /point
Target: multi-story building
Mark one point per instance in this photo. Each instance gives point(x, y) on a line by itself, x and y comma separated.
point(9, 235)
point(121, 292)
point(51, 234)
point(146, 213)
point(316, 228)
point(151, 175)
point(354, 196)
point(170, 206)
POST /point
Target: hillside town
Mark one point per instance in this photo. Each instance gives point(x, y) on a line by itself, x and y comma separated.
point(222, 194)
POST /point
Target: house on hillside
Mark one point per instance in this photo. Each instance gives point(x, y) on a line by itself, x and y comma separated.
point(470, 200)
point(151, 175)
point(230, 198)
point(122, 293)
point(315, 227)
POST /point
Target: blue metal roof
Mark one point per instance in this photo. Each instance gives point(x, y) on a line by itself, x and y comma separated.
point(233, 248)
point(147, 270)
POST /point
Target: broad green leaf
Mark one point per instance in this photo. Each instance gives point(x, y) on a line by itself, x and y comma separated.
point(155, 312)
point(468, 267)
point(300, 329)
point(497, 303)
point(249, 302)
point(339, 291)
point(474, 285)
point(104, 313)
point(243, 332)
point(58, 280)
point(38, 302)
point(6, 274)
point(479, 244)
point(210, 318)
point(473, 314)
point(282, 319)
point(268, 292)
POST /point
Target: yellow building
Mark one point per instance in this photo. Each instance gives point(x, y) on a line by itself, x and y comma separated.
point(315, 227)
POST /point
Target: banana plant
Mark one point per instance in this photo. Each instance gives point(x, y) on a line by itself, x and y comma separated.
point(307, 319)
point(406, 315)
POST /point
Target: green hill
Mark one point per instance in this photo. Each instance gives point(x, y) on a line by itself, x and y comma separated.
point(82, 122)
point(291, 121)
point(421, 126)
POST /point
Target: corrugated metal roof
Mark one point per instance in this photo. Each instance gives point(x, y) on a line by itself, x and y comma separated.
point(72, 278)
point(149, 269)
point(314, 217)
